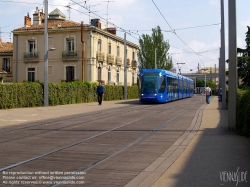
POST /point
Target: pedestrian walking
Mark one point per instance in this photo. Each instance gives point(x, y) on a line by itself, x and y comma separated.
point(100, 93)
point(208, 93)
point(220, 94)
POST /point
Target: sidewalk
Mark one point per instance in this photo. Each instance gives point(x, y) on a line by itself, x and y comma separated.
point(212, 156)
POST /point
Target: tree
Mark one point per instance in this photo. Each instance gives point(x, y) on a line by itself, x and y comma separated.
point(244, 61)
point(147, 46)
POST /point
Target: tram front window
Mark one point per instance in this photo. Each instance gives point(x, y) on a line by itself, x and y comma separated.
point(149, 84)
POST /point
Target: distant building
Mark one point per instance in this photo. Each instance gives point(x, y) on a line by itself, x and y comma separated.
point(83, 52)
point(6, 53)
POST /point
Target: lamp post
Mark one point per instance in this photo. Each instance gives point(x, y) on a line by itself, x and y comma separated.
point(46, 89)
point(46, 93)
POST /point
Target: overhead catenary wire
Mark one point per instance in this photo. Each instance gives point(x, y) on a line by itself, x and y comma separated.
point(105, 19)
point(194, 27)
point(176, 33)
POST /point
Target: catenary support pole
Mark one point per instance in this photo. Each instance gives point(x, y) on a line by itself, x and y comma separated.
point(16, 58)
point(125, 68)
point(46, 91)
point(232, 93)
point(222, 58)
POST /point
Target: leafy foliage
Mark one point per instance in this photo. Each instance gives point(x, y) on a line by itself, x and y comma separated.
point(147, 46)
point(18, 95)
point(243, 117)
point(244, 61)
point(201, 83)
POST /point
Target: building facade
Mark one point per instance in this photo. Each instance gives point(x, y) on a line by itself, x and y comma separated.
point(81, 52)
point(6, 53)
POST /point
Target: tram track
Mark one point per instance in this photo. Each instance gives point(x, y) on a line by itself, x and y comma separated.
point(72, 125)
point(53, 121)
point(105, 132)
point(130, 144)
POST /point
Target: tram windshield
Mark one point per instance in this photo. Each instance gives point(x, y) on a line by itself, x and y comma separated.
point(149, 82)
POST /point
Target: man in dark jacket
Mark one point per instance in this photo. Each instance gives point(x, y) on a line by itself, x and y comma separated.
point(100, 93)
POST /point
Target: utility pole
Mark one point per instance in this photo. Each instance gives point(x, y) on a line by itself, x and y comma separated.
point(215, 76)
point(108, 11)
point(232, 93)
point(179, 67)
point(222, 69)
point(46, 91)
point(69, 7)
point(125, 68)
point(92, 11)
point(155, 58)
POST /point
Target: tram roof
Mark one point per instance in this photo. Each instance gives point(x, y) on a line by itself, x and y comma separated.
point(164, 72)
point(159, 71)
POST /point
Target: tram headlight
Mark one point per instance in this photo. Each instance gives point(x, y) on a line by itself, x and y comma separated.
point(155, 94)
point(142, 94)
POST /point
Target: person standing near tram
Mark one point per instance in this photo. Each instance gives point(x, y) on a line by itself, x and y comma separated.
point(208, 93)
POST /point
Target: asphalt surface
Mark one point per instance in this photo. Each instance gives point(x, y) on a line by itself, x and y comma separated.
point(125, 143)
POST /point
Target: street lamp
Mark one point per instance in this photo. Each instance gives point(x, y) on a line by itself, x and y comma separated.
point(46, 50)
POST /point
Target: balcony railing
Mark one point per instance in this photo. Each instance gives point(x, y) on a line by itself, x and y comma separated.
point(69, 55)
point(31, 57)
point(100, 56)
point(118, 61)
point(110, 59)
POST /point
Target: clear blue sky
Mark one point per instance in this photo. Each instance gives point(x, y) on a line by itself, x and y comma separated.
point(140, 16)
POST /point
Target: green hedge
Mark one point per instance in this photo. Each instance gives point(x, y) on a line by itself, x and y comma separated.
point(19, 95)
point(243, 117)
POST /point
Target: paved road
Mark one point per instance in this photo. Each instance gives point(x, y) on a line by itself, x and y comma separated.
point(116, 144)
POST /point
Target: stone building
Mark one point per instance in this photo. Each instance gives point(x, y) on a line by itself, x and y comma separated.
point(6, 53)
point(83, 52)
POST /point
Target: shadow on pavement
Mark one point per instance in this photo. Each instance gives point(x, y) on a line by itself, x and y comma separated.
point(214, 157)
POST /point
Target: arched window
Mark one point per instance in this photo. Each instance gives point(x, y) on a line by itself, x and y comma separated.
point(99, 73)
point(117, 76)
point(109, 52)
point(99, 46)
point(109, 75)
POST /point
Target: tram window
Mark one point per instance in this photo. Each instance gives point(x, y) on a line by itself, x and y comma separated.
point(149, 84)
point(180, 84)
point(162, 84)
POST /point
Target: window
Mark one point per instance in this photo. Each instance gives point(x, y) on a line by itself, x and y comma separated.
point(117, 76)
point(32, 46)
point(70, 73)
point(133, 55)
point(99, 45)
point(31, 74)
point(70, 44)
point(109, 75)
point(99, 73)
point(118, 51)
point(133, 79)
point(162, 84)
point(109, 48)
point(6, 64)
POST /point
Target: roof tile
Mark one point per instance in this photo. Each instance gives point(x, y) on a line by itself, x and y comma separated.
point(6, 47)
point(51, 25)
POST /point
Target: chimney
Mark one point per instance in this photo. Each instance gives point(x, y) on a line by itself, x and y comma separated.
point(96, 23)
point(27, 21)
point(112, 30)
point(38, 17)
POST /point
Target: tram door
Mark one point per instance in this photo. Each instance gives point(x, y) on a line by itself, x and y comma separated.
point(162, 93)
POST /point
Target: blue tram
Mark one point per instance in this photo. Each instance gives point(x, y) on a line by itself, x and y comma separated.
point(161, 86)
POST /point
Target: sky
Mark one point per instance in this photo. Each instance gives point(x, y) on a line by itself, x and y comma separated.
point(196, 23)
